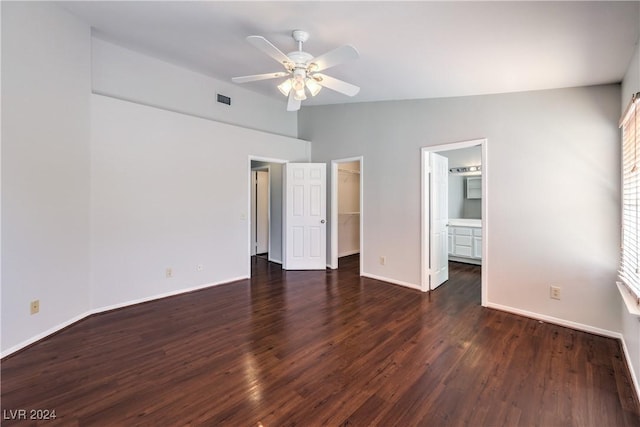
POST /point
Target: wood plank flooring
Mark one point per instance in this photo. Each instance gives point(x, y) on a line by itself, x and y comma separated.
point(321, 348)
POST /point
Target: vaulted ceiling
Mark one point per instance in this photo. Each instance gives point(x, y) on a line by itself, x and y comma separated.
point(407, 50)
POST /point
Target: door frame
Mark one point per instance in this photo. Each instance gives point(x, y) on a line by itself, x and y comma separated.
point(424, 210)
point(333, 255)
point(248, 215)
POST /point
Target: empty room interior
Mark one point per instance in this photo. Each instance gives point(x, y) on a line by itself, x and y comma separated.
point(320, 213)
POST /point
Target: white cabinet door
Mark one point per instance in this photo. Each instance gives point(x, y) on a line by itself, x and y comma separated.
point(474, 187)
point(477, 247)
point(465, 243)
point(305, 219)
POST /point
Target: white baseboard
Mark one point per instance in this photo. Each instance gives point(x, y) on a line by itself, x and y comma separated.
point(331, 266)
point(392, 281)
point(529, 314)
point(579, 327)
point(164, 295)
point(557, 321)
point(464, 260)
point(80, 317)
point(44, 334)
point(347, 253)
point(277, 261)
point(627, 358)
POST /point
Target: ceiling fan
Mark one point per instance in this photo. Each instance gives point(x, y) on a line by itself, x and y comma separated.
point(302, 69)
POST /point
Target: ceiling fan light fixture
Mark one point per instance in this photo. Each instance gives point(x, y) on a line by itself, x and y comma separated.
point(299, 95)
point(298, 85)
point(301, 69)
point(298, 80)
point(285, 87)
point(313, 86)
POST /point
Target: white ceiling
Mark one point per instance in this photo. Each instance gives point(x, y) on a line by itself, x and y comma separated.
point(407, 49)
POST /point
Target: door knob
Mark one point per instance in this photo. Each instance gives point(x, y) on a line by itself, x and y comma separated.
point(322, 221)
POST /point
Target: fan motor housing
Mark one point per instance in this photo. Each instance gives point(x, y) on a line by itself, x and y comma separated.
point(300, 35)
point(299, 57)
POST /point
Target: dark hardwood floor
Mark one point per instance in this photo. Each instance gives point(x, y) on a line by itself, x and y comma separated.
point(321, 348)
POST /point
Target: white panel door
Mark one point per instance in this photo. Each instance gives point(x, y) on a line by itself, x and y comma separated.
point(438, 219)
point(305, 216)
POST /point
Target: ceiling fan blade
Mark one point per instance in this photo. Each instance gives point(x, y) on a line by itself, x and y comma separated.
point(334, 57)
point(337, 85)
point(266, 46)
point(255, 77)
point(292, 104)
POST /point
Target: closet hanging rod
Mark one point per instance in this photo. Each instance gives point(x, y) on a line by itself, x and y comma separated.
point(348, 171)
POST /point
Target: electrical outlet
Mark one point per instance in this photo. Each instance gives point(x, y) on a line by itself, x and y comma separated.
point(34, 306)
point(383, 260)
point(554, 292)
point(199, 267)
point(168, 273)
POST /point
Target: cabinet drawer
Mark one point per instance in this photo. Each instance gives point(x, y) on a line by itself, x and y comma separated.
point(463, 231)
point(477, 232)
point(463, 240)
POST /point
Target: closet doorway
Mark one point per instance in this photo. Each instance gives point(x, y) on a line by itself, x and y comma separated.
point(346, 225)
point(260, 211)
point(265, 207)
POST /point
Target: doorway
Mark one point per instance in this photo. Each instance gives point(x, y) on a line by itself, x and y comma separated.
point(260, 211)
point(467, 203)
point(270, 217)
point(346, 225)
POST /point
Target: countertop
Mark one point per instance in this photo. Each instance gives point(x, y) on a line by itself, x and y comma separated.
point(465, 222)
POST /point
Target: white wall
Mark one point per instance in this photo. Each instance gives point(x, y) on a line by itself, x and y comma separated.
point(631, 81)
point(129, 75)
point(170, 191)
point(456, 196)
point(45, 169)
point(469, 156)
point(100, 195)
point(631, 323)
point(553, 190)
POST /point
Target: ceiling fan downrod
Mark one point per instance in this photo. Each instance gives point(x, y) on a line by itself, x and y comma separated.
point(300, 36)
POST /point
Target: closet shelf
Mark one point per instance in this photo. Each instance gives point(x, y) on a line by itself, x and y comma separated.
point(349, 171)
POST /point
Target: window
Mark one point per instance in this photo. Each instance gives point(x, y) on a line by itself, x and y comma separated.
point(630, 250)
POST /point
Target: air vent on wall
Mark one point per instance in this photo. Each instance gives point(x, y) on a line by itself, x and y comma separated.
point(224, 99)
